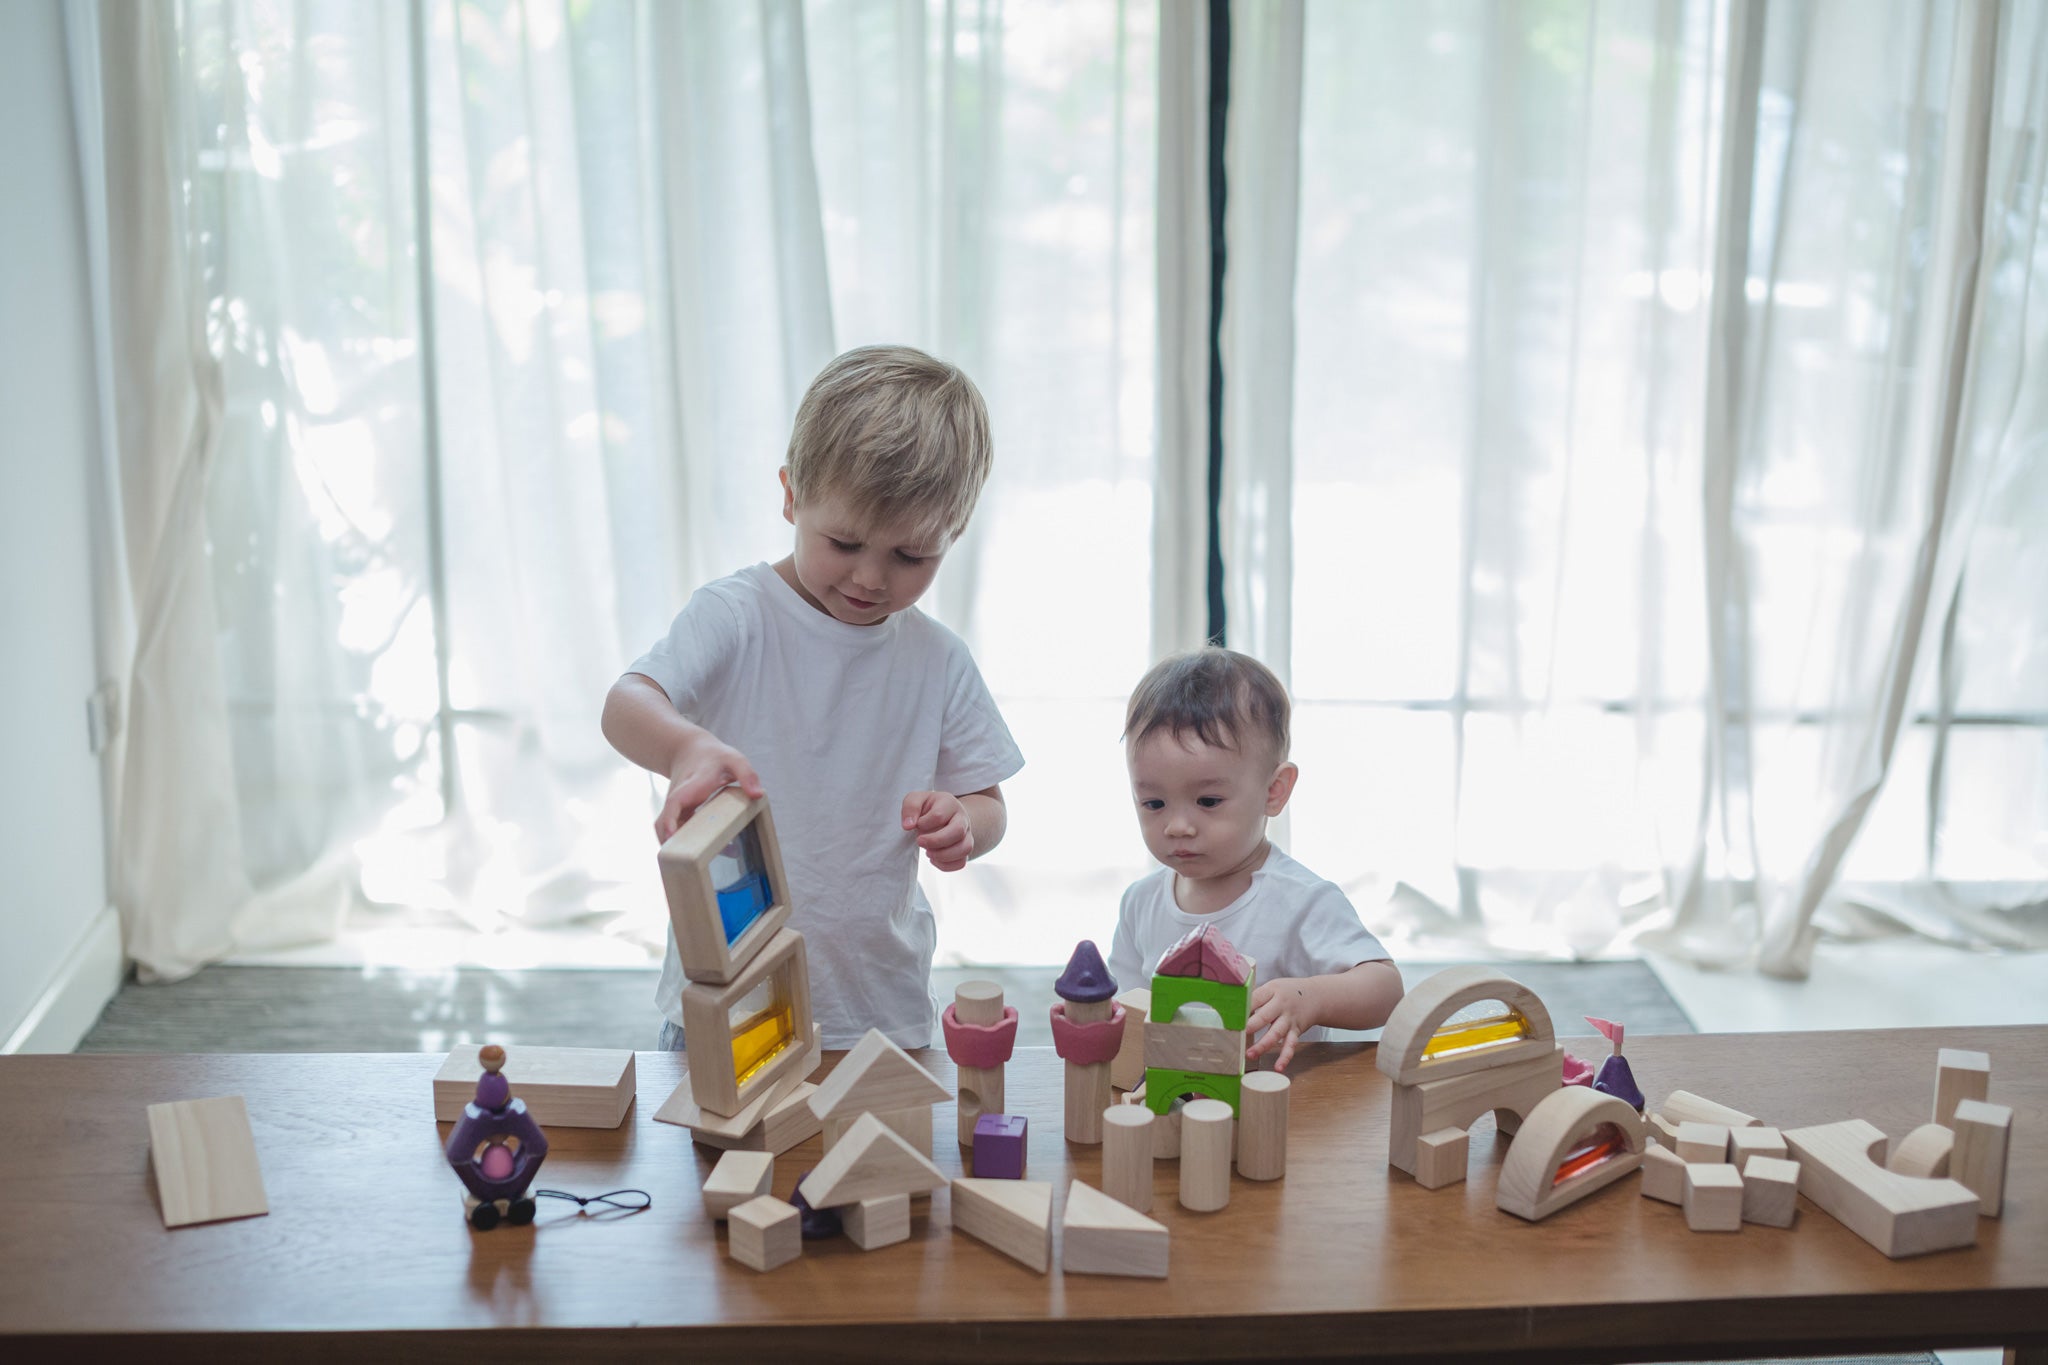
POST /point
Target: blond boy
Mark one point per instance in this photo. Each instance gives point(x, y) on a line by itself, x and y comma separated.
point(816, 680)
point(1205, 738)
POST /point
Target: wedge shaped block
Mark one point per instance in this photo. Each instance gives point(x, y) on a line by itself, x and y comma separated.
point(1100, 1236)
point(1013, 1216)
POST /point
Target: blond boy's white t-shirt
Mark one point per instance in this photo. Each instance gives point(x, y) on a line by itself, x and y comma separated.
point(1292, 922)
point(841, 722)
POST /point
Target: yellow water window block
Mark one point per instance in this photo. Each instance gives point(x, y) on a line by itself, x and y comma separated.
point(1454, 1039)
point(759, 1039)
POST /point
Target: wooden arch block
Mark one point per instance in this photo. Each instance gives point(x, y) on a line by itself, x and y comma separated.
point(1571, 1115)
point(1424, 1010)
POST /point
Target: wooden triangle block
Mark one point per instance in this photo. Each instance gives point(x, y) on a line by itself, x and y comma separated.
point(869, 1162)
point(1013, 1216)
point(877, 1074)
point(1101, 1236)
point(204, 1157)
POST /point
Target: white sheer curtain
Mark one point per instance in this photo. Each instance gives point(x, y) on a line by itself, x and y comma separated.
point(414, 486)
point(1623, 602)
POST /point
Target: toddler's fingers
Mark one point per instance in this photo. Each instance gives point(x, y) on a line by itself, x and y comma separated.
point(1287, 1050)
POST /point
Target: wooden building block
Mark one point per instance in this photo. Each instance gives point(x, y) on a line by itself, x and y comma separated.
point(1013, 1216)
point(1165, 1127)
point(1663, 1175)
point(1262, 1126)
point(1101, 1236)
point(869, 1162)
point(1088, 1091)
point(1168, 1001)
point(1127, 1072)
point(1002, 1146)
point(1713, 1197)
point(1900, 1215)
point(1205, 1156)
point(730, 1130)
point(1194, 1047)
point(1983, 1136)
point(764, 1232)
point(913, 1125)
point(1411, 1051)
point(1744, 1144)
point(1702, 1144)
point(564, 1087)
point(1440, 1157)
point(1923, 1152)
point(1959, 1075)
point(203, 1154)
point(738, 1177)
point(876, 1076)
point(1682, 1106)
point(770, 1038)
point(1514, 1087)
point(878, 1222)
point(727, 894)
point(1770, 1191)
point(1127, 1154)
point(981, 1088)
point(1577, 1141)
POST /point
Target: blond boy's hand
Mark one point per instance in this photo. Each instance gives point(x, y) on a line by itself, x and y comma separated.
point(1284, 1008)
point(705, 767)
point(940, 822)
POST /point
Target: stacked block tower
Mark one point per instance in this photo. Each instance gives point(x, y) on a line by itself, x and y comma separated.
point(1185, 1057)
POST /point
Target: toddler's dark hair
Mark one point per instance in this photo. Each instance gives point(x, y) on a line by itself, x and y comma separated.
point(1216, 694)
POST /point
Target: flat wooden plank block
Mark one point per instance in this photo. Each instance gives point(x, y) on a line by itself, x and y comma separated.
point(1013, 1216)
point(564, 1087)
point(204, 1156)
point(1100, 1236)
point(738, 1177)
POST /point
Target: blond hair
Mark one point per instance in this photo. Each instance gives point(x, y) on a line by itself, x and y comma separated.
point(900, 435)
point(1218, 695)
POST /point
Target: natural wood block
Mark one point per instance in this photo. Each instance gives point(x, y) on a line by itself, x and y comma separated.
point(1440, 1157)
point(1573, 1120)
point(1923, 1152)
point(1262, 1126)
point(203, 1154)
point(980, 1088)
point(1900, 1215)
point(564, 1087)
point(784, 1126)
point(764, 1232)
point(876, 1076)
point(869, 1162)
point(728, 820)
point(1713, 1197)
point(1754, 1141)
point(728, 1130)
point(1100, 1236)
point(738, 1177)
point(913, 1125)
point(1205, 1155)
point(1682, 1106)
point(1512, 1087)
point(1088, 1088)
point(1127, 1072)
point(880, 1222)
point(783, 968)
point(1013, 1216)
point(1770, 1191)
point(1432, 1001)
point(1663, 1175)
point(1127, 1154)
point(1959, 1074)
point(1983, 1137)
point(1702, 1143)
point(1194, 1047)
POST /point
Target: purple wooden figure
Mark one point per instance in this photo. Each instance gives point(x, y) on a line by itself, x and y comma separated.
point(999, 1143)
point(1615, 1077)
point(496, 1149)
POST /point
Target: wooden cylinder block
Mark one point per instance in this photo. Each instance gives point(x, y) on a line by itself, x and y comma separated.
point(1127, 1155)
point(1262, 1145)
point(1088, 1089)
point(980, 1087)
point(1205, 1155)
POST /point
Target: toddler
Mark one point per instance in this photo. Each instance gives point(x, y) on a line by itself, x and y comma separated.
point(817, 681)
point(1205, 738)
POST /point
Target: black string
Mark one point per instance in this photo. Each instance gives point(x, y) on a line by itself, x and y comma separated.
point(610, 1197)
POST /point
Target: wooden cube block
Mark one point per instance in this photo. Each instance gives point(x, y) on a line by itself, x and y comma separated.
point(738, 1177)
point(1440, 1157)
point(1770, 1191)
point(563, 1087)
point(1703, 1144)
point(1983, 1135)
point(1663, 1175)
point(1959, 1075)
point(764, 1232)
point(1194, 1047)
point(875, 1223)
point(1713, 1197)
point(1746, 1143)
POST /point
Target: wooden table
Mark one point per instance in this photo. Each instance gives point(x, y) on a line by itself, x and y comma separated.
point(365, 1253)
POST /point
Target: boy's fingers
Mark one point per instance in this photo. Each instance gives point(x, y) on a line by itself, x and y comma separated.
point(914, 806)
point(749, 781)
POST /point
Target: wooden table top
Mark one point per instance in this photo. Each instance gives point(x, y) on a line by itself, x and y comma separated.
point(365, 1249)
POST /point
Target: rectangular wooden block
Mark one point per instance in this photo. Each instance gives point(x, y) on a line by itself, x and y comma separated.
point(1702, 1143)
point(764, 1232)
point(788, 1122)
point(1127, 1072)
point(1192, 1047)
point(1744, 1144)
point(1983, 1136)
point(1013, 1216)
point(1713, 1197)
point(738, 1177)
point(879, 1222)
point(913, 1125)
point(204, 1158)
point(564, 1087)
point(1959, 1074)
point(1663, 1175)
point(1770, 1191)
point(681, 1106)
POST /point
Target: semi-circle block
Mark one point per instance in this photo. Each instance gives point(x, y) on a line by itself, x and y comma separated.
point(1529, 1187)
point(1424, 1010)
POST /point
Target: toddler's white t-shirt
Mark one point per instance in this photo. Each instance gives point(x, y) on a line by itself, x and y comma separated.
point(841, 722)
point(1292, 922)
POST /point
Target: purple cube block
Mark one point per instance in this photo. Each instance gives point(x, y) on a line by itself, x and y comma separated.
point(999, 1146)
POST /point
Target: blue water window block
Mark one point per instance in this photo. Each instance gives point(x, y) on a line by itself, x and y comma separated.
point(742, 882)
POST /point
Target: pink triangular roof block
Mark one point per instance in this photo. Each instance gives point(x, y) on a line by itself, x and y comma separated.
point(1204, 952)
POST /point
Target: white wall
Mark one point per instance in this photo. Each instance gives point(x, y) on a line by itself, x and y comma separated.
point(54, 934)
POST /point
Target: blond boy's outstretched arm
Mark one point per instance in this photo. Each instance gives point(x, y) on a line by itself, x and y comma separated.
point(645, 726)
point(1285, 1007)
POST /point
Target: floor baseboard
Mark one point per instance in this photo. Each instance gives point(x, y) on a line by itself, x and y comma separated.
point(70, 1005)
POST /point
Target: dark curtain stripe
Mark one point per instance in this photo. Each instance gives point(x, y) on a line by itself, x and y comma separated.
point(1219, 112)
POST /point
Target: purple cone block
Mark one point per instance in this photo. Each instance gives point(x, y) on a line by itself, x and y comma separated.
point(1086, 978)
point(1617, 1080)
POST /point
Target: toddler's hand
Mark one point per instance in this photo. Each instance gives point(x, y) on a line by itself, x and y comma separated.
point(1285, 1009)
point(705, 768)
point(942, 829)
